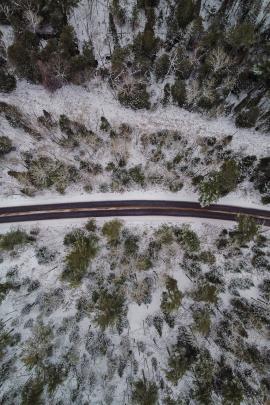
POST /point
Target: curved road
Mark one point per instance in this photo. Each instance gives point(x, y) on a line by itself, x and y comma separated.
point(128, 208)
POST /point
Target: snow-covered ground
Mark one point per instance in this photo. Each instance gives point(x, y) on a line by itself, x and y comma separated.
point(77, 342)
point(87, 105)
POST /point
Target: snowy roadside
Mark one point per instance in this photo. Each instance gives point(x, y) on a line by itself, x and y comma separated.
point(52, 198)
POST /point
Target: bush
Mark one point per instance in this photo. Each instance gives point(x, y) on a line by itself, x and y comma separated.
point(185, 12)
point(32, 392)
point(111, 230)
point(7, 82)
point(111, 309)
point(144, 263)
point(172, 298)
point(68, 42)
point(247, 118)
point(22, 54)
point(204, 378)
point(219, 183)
point(39, 347)
point(242, 36)
point(137, 175)
point(5, 145)
point(262, 176)
point(178, 91)
point(247, 229)
point(202, 321)
point(14, 238)
point(145, 392)
point(184, 354)
point(84, 249)
point(188, 239)
point(206, 292)
point(119, 56)
point(134, 95)
point(162, 66)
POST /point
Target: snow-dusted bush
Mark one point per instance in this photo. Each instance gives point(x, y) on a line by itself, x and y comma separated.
point(84, 249)
point(7, 81)
point(14, 238)
point(145, 392)
point(172, 297)
point(134, 95)
point(5, 145)
point(111, 230)
point(247, 118)
point(178, 91)
point(162, 65)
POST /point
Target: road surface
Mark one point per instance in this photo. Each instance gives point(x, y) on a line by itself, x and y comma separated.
point(128, 208)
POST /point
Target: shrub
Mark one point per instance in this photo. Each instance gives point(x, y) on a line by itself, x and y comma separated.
point(145, 392)
point(219, 183)
point(241, 36)
point(247, 229)
point(68, 42)
point(206, 292)
point(183, 67)
point(165, 235)
point(178, 91)
point(134, 95)
point(185, 12)
point(175, 186)
point(183, 355)
point(32, 392)
point(13, 238)
point(144, 263)
point(91, 225)
point(262, 176)
point(162, 66)
point(202, 321)
point(38, 347)
point(207, 257)
point(137, 175)
point(145, 45)
point(119, 56)
point(204, 378)
point(5, 145)
point(118, 12)
point(22, 54)
point(111, 230)
point(131, 245)
point(84, 249)
point(105, 125)
point(111, 308)
point(228, 385)
point(172, 298)
point(6, 340)
point(247, 118)
point(187, 238)
point(7, 82)
point(5, 288)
